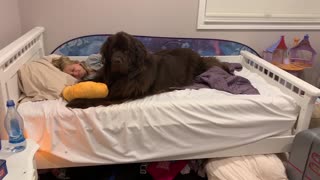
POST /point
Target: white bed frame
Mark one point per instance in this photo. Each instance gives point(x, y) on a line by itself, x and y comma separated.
point(30, 47)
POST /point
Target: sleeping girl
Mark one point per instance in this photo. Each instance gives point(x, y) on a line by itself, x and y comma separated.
point(82, 70)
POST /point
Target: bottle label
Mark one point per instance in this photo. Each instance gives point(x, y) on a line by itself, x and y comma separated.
point(17, 139)
point(15, 133)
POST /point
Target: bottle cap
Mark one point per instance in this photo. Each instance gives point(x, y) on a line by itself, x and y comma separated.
point(10, 103)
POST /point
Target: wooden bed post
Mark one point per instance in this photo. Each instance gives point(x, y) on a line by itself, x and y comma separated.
point(304, 93)
point(305, 114)
point(2, 108)
point(12, 57)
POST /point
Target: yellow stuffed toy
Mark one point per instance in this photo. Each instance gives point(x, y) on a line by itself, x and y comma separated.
point(87, 89)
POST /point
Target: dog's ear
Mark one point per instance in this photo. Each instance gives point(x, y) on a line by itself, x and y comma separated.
point(106, 48)
point(139, 51)
point(104, 73)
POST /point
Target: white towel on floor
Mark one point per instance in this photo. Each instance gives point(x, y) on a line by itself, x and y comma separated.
point(255, 167)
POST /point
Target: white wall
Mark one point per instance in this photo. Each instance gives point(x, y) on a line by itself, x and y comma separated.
point(64, 20)
point(10, 26)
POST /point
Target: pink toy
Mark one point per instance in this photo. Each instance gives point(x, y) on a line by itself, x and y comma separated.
point(303, 54)
point(277, 52)
point(165, 170)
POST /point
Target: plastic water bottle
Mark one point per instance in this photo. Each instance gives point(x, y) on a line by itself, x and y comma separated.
point(14, 125)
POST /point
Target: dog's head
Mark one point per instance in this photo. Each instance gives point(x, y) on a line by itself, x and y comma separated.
point(123, 54)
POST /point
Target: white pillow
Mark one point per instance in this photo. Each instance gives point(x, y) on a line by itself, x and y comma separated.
point(262, 167)
point(40, 80)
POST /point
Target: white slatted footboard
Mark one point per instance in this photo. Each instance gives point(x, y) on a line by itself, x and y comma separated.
point(28, 47)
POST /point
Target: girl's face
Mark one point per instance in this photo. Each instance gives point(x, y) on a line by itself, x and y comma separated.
point(75, 70)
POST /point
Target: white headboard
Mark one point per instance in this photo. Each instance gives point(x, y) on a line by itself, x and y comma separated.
point(26, 48)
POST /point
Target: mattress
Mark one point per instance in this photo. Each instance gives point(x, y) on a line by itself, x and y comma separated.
point(168, 125)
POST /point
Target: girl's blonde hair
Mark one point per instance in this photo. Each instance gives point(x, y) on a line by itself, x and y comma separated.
point(62, 62)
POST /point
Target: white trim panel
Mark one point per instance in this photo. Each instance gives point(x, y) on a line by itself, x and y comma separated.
point(263, 20)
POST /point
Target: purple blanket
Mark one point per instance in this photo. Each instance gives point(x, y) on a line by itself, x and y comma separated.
point(217, 78)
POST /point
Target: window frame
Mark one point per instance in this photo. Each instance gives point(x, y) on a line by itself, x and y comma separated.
point(237, 21)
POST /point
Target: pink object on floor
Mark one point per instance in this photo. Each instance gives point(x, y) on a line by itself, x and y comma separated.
point(165, 170)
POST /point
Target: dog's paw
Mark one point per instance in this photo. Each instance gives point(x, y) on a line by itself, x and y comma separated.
point(226, 68)
point(78, 103)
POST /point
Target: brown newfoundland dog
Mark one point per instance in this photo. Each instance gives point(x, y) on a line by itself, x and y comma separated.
point(131, 72)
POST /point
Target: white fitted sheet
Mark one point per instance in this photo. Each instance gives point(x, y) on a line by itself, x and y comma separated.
point(167, 125)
